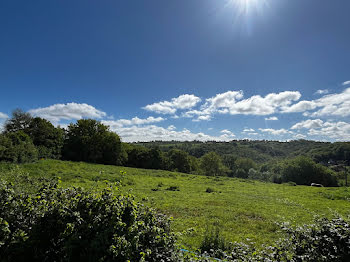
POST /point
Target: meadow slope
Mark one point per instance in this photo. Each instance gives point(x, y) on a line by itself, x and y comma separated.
point(243, 209)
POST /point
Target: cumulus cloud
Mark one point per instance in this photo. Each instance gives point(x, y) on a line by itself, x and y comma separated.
point(301, 106)
point(276, 132)
point(299, 136)
point(322, 92)
point(133, 121)
point(170, 107)
point(227, 133)
point(248, 130)
point(231, 103)
point(69, 111)
point(337, 104)
point(339, 131)
point(316, 123)
point(346, 83)
point(3, 116)
point(171, 127)
point(272, 118)
point(152, 132)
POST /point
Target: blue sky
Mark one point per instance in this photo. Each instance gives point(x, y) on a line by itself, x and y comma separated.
point(182, 70)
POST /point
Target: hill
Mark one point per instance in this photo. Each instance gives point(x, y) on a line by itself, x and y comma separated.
point(241, 208)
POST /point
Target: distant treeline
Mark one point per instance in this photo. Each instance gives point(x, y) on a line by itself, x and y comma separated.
point(26, 138)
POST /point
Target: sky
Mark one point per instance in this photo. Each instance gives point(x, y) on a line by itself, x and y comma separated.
point(181, 69)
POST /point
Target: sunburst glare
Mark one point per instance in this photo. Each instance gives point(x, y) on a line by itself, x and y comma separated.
point(246, 7)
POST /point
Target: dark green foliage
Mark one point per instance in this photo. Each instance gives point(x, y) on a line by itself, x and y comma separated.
point(173, 188)
point(325, 240)
point(242, 167)
point(304, 171)
point(17, 147)
point(214, 243)
point(56, 224)
point(142, 157)
point(211, 165)
point(179, 161)
point(47, 138)
point(90, 141)
point(209, 190)
point(19, 121)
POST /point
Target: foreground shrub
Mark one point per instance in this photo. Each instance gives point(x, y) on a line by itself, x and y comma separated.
point(57, 224)
point(17, 147)
point(325, 240)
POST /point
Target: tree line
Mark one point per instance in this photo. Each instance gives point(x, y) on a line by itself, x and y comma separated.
point(26, 138)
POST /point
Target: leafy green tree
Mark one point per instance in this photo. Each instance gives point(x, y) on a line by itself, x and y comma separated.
point(17, 147)
point(304, 171)
point(19, 121)
point(179, 161)
point(242, 167)
point(211, 165)
point(47, 138)
point(89, 140)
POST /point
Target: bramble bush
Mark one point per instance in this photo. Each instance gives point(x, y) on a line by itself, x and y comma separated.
point(325, 240)
point(56, 224)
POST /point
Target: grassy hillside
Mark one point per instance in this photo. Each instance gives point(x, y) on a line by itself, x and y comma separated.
point(241, 208)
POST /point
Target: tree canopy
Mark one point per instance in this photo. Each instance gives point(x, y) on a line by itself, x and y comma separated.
point(91, 141)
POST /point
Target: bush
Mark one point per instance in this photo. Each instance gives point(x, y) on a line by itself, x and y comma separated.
point(213, 243)
point(57, 224)
point(17, 147)
point(304, 171)
point(209, 190)
point(325, 240)
point(173, 188)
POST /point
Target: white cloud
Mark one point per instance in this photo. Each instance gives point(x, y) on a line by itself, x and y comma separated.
point(339, 131)
point(308, 124)
point(3, 116)
point(227, 133)
point(133, 121)
point(153, 132)
point(327, 130)
point(230, 103)
point(299, 136)
point(272, 118)
point(276, 132)
point(248, 130)
point(200, 118)
point(322, 92)
point(257, 105)
point(69, 111)
point(346, 83)
point(329, 105)
point(170, 107)
point(171, 127)
point(301, 106)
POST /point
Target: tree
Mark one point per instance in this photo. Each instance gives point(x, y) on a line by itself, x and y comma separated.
point(89, 140)
point(19, 121)
point(47, 138)
point(179, 161)
point(211, 165)
point(242, 167)
point(304, 171)
point(17, 147)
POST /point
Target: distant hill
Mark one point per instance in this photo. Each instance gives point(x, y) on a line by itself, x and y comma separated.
point(262, 150)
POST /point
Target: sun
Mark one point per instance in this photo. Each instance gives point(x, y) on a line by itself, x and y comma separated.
point(247, 6)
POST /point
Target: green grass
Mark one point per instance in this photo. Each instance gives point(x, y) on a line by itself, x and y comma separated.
point(242, 208)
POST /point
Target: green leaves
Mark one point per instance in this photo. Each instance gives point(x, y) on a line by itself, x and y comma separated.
point(56, 224)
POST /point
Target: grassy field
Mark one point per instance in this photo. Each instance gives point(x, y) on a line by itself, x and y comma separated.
point(241, 208)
